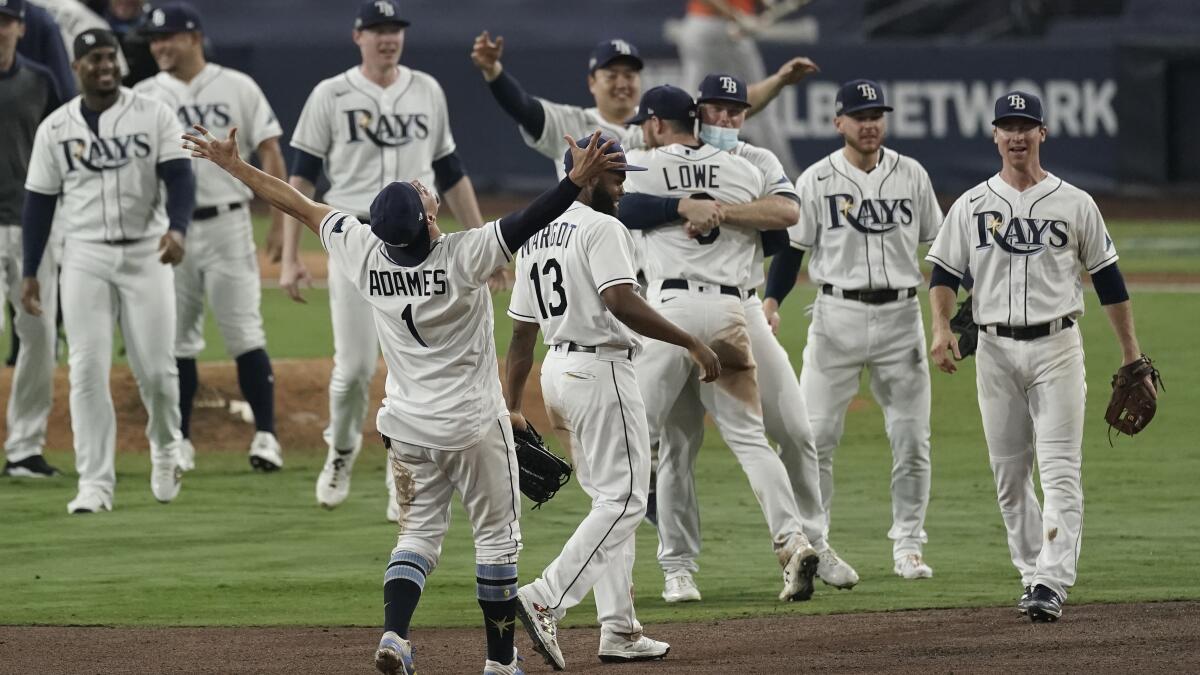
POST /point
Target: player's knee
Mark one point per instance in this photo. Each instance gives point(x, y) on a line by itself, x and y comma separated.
point(411, 545)
point(354, 371)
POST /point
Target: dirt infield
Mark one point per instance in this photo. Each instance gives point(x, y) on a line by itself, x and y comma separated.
point(1158, 637)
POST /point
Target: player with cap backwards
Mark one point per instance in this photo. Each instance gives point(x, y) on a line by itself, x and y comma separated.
point(444, 420)
point(30, 93)
point(576, 283)
point(104, 155)
point(699, 275)
point(370, 125)
point(721, 112)
point(221, 265)
point(1025, 234)
point(864, 210)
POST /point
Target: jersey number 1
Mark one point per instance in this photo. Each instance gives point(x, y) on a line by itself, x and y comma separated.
point(559, 301)
point(407, 315)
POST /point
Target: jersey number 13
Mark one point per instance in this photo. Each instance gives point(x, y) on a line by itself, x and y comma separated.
point(556, 294)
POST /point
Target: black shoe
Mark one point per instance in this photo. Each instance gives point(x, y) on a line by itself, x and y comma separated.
point(1044, 605)
point(1023, 603)
point(30, 467)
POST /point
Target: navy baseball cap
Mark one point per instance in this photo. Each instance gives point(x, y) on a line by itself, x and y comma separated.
point(718, 87)
point(615, 149)
point(857, 95)
point(172, 17)
point(605, 53)
point(13, 8)
point(398, 216)
point(665, 102)
point(93, 38)
point(1019, 104)
point(377, 13)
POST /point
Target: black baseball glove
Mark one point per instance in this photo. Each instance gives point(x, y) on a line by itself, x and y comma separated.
point(543, 473)
point(963, 323)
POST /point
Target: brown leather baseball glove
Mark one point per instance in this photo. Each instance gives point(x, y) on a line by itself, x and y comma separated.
point(1134, 397)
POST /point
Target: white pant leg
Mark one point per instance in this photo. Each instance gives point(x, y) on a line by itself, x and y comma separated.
point(1056, 403)
point(232, 282)
point(900, 384)
point(614, 591)
point(678, 511)
point(146, 292)
point(424, 493)
point(1000, 380)
point(89, 302)
point(833, 362)
point(355, 356)
point(599, 400)
point(32, 392)
point(785, 417)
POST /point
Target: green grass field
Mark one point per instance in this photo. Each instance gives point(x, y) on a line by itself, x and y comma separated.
point(238, 548)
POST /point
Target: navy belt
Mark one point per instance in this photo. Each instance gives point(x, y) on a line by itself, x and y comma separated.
point(124, 242)
point(213, 211)
point(572, 347)
point(1029, 332)
point(873, 297)
point(684, 284)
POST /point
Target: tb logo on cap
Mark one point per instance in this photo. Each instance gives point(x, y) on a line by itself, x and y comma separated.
point(385, 8)
point(1016, 102)
point(868, 91)
point(89, 39)
point(729, 84)
point(622, 47)
point(158, 18)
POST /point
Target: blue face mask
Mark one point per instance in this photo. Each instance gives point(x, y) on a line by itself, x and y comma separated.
point(723, 138)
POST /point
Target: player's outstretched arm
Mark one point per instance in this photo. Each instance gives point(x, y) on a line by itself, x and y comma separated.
point(761, 93)
point(224, 153)
point(633, 311)
point(773, 212)
point(517, 365)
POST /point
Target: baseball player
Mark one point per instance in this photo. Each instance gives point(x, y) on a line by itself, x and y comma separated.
point(576, 284)
point(698, 277)
point(722, 104)
point(104, 154)
point(444, 420)
point(1025, 234)
point(221, 265)
point(864, 210)
point(373, 124)
point(29, 94)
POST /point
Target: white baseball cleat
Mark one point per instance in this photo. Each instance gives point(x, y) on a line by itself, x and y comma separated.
point(834, 571)
point(185, 455)
point(89, 502)
point(621, 647)
point(912, 566)
point(799, 570)
point(491, 667)
point(542, 628)
point(165, 474)
point(393, 505)
point(394, 656)
point(680, 587)
point(333, 485)
point(265, 453)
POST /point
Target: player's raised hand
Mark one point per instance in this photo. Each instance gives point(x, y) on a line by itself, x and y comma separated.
point(170, 248)
point(486, 55)
point(292, 275)
point(944, 349)
point(797, 69)
point(223, 153)
point(590, 162)
point(707, 359)
point(31, 296)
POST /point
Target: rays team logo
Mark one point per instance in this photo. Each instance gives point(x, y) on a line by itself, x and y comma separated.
point(622, 47)
point(1016, 102)
point(158, 17)
point(206, 115)
point(870, 216)
point(728, 84)
point(385, 8)
point(387, 131)
point(104, 154)
point(868, 92)
point(1019, 236)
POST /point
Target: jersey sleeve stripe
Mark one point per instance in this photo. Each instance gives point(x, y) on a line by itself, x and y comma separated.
point(521, 317)
point(1105, 263)
point(49, 192)
point(301, 145)
point(802, 246)
point(324, 229)
point(500, 240)
point(619, 281)
point(943, 264)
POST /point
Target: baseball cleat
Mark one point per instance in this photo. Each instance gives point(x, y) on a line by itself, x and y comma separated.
point(912, 566)
point(491, 667)
point(265, 452)
point(542, 628)
point(836, 572)
point(185, 455)
point(1044, 605)
point(165, 475)
point(394, 656)
point(624, 648)
point(799, 571)
point(34, 466)
point(681, 588)
point(89, 502)
point(1023, 602)
point(333, 485)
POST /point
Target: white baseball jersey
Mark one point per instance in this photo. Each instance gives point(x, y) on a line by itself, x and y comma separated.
point(562, 118)
point(370, 137)
point(863, 228)
point(434, 322)
point(561, 272)
point(217, 98)
point(725, 255)
point(108, 181)
point(1025, 249)
point(777, 184)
